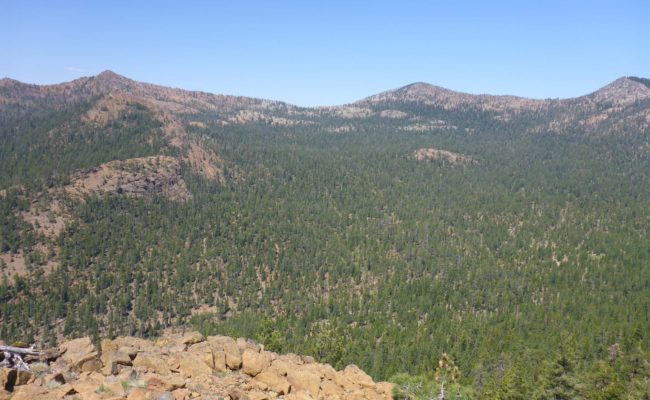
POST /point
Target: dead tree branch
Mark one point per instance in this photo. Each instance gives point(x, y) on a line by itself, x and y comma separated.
point(12, 357)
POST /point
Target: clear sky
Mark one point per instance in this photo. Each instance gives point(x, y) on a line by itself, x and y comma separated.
point(331, 52)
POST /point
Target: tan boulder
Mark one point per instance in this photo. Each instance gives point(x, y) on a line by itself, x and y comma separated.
point(229, 347)
point(53, 380)
point(31, 392)
point(190, 366)
point(181, 367)
point(152, 362)
point(130, 351)
point(132, 345)
point(301, 379)
point(192, 338)
point(137, 394)
point(62, 391)
point(77, 352)
point(237, 394)
point(168, 340)
point(219, 358)
point(273, 380)
point(244, 344)
point(291, 358)
point(11, 377)
point(357, 394)
point(24, 378)
point(51, 354)
point(385, 388)
point(322, 370)
point(89, 385)
point(128, 374)
point(282, 365)
point(174, 361)
point(330, 390)
point(5, 378)
point(371, 394)
point(59, 366)
point(299, 395)
point(344, 382)
point(253, 363)
point(181, 394)
point(107, 346)
point(166, 383)
point(112, 387)
point(111, 359)
point(174, 348)
point(174, 343)
point(203, 351)
point(255, 384)
point(255, 394)
point(355, 375)
point(93, 365)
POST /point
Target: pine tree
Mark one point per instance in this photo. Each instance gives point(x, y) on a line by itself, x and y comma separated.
point(560, 380)
point(604, 383)
point(269, 335)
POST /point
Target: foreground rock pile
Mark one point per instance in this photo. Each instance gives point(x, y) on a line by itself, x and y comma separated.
point(183, 367)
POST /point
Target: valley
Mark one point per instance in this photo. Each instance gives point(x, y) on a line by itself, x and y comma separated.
point(510, 233)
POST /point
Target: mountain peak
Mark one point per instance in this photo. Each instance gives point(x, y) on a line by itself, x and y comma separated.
point(111, 81)
point(423, 89)
point(623, 90)
point(108, 74)
point(414, 92)
point(9, 81)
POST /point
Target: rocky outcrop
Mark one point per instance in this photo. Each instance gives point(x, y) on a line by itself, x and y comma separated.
point(155, 175)
point(444, 155)
point(180, 367)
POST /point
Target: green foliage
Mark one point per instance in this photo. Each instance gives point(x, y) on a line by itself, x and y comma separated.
point(420, 387)
point(44, 147)
point(328, 342)
point(203, 322)
point(604, 383)
point(560, 381)
point(269, 334)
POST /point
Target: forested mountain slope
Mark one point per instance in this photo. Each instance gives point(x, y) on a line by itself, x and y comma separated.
point(509, 233)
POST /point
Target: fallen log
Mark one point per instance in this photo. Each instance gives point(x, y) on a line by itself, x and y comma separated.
point(21, 350)
point(12, 357)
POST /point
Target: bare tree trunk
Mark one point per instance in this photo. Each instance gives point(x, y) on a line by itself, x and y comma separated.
point(13, 357)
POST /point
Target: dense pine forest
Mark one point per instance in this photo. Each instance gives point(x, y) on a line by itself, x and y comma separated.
point(526, 260)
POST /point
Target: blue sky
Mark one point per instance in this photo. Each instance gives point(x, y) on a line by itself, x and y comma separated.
point(333, 52)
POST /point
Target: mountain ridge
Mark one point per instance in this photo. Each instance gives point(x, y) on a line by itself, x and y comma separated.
point(384, 232)
point(109, 80)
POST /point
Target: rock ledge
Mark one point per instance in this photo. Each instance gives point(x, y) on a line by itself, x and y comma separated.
point(180, 367)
